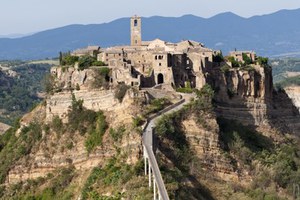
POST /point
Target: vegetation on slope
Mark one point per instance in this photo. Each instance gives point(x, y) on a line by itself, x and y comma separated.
point(20, 93)
point(174, 145)
point(56, 185)
point(119, 179)
point(290, 81)
point(13, 148)
point(282, 65)
point(274, 167)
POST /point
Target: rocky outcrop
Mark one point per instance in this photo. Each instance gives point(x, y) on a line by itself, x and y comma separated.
point(62, 150)
point(248, 96)
point(69, 77)
point(294, 93)
point(3, 128)
point(204, 140)
point(55, 150)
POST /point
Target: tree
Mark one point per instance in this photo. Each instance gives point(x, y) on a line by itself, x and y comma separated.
point(246, 59)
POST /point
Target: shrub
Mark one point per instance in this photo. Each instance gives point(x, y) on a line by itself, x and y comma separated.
point(246, 59)
point(85, 62)
point(218, 58)
point(68, 59)
point(95, 135)
point(117, 134)
point(235, 63)
point(57, 124)
point(262, 61)
point(77, 86)
point(98, 63)
point(156, 105)
point(49, 83)
point(137, 121)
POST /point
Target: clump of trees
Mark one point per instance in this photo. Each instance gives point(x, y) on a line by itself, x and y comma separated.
point(218, 58)
point(84, 62)
point(263, 61)
point(234, 62)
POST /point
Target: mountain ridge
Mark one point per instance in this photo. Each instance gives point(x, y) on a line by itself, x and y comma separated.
point(268, 35)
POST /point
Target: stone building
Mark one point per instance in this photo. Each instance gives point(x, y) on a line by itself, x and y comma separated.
point(238, 55)
point(90, 50)
point(157, 62)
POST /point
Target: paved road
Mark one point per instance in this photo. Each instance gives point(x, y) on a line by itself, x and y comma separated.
point(148, 143)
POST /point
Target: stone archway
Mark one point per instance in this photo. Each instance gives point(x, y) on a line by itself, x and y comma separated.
point(160, 78)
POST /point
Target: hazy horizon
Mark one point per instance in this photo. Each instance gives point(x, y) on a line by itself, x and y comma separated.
point(31, 16)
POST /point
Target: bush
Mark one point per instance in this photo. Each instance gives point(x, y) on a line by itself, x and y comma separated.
point(85, 62)
point(235, 63)
point(155, 106)
point(117, 134)
point(67, 59)
point(95, 135)
point(246, 59)
point(262, 61)
point(57, 124)
point(137, 121)
point(49, 84)
point(218, 58)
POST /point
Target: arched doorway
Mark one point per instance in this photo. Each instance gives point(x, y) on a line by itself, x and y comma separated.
point(160, 78)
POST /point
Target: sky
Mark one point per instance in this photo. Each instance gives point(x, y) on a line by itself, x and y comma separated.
point(29, 16)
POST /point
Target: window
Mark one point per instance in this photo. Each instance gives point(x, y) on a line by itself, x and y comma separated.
point(135, 22)
point(159, 64)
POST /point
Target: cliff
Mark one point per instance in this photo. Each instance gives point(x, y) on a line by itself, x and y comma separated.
point(294, 94)
point(215, 148)
point(248, 97)
point(3, 128)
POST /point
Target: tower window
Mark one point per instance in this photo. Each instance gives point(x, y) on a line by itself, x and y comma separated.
point(135, 22)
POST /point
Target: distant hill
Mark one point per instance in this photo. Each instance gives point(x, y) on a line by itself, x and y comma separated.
point(269, 35)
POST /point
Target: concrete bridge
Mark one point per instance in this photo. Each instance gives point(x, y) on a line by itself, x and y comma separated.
point(151, 166)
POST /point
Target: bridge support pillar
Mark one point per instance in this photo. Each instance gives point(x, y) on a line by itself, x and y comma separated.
point(150, 177)
point(154, 190)
point(145, 163)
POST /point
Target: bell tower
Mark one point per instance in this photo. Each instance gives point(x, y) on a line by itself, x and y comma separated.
point(136, 31)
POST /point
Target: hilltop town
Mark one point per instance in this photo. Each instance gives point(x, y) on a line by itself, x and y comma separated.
point(151, 63)
point(155, 120)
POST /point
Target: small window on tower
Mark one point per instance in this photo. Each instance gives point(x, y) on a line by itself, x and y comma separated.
point(135, 22)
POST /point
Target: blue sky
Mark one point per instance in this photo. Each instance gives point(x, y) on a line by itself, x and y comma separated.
point(26, 16)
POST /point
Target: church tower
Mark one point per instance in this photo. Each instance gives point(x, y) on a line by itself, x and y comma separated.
point(136, 31)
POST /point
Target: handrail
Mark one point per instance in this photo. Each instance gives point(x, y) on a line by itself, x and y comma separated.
point(148, 147)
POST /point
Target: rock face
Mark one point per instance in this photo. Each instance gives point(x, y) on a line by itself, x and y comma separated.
point(204, 140)
point(3, 128)
point(294, 93)
point(55, 151)
point(248, 96)
point(69, 77)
